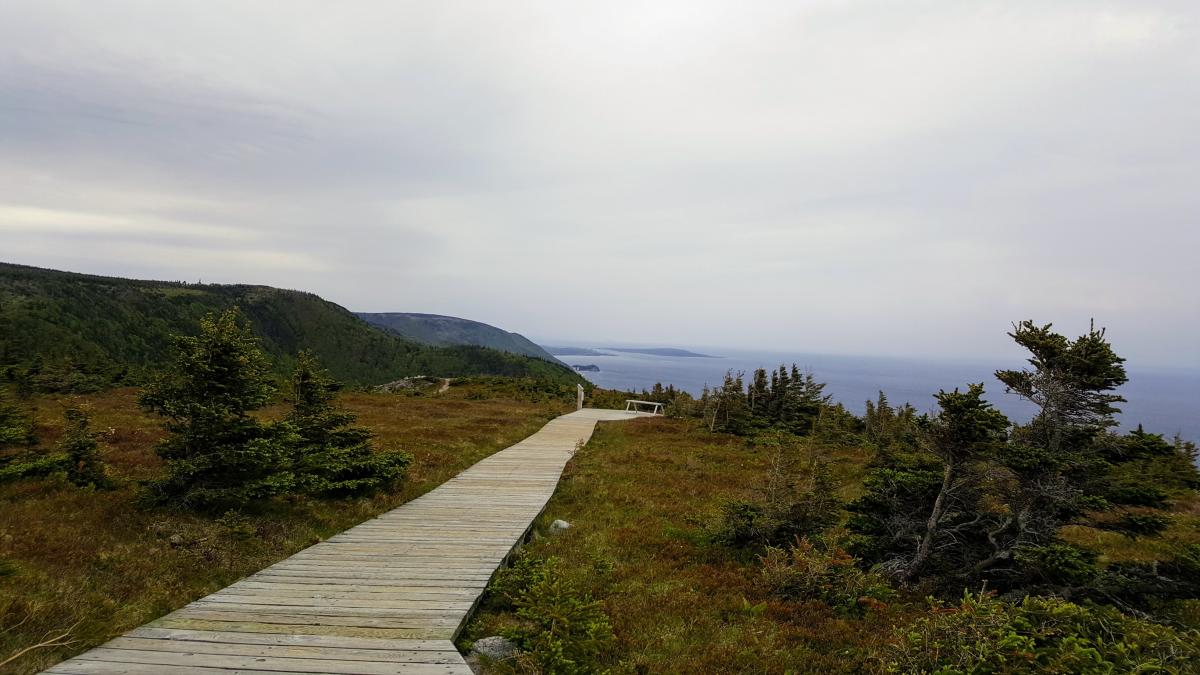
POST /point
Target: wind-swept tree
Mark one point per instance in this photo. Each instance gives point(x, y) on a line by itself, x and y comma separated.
point(974, 502)
point(1071, 382)
point(966, 430)
point(729, 410)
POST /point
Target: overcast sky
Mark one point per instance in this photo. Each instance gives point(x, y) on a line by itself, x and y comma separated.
point(843, 177)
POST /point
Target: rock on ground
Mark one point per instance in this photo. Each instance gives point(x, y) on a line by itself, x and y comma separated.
point(558, 526)
point(495, 647)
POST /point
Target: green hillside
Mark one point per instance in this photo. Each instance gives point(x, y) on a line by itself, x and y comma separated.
point(69, 330)
point(435, 329)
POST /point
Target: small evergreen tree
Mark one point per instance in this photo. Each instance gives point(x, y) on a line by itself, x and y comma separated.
point(730, 409)
point(16, 428)
point(967, 428)
point(331, 456)
point(878, 418)
point(218, 456)
point(779, 390)
point(84, 465)
point(802, 402)
point(759, 394)
point(16, 435)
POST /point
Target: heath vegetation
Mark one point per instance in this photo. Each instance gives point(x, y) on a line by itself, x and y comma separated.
point(762, 528)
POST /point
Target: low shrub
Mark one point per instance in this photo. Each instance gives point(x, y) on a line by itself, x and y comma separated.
point(560, 629)
point(1057, 564)
point(511, 582)
point(788, 508)
point(984, 635)
point(825, 572)
point(1141, 524)
point(738, 523)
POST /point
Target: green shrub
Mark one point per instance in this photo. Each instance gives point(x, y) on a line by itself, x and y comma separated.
point(1152, 585)
point(787, 509)
point(511, 582)
point(16, 425)
point(825, 572)
point(738, 523)
point(561, 629)
point(1138, 495)
point(30, 465)
point(1057, 564)
point(984, 635)
point(1141, 524)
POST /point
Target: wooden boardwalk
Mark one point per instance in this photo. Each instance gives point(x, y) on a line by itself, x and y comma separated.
point(387, 596)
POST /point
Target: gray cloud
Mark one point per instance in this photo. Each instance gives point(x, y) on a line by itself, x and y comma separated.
point(870, 177)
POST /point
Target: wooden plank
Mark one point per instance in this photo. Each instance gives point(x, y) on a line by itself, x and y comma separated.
point(79, 666)
point(344, 591)
point(432, 581)
point(321, 619)
point(288, 651)
point(233, 662)
point(325, 630)
point(298, 640)
point(224, 598)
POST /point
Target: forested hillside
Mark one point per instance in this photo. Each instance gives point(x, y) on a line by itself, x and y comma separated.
point(436, 329)
point(62, 331)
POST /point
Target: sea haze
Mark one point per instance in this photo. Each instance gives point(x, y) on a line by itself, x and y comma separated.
point(1164, 401)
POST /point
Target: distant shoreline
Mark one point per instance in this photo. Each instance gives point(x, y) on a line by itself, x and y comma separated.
point(1158, 398)
point(609, 351)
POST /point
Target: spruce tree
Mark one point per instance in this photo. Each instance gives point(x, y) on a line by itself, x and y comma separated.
point(331, 456)
point(802, 402)
point(779, 393)
point(730, 409)
point(218, 456)
point(16, 431)
point(759, 393)
point(84, 466)
point(15, 425)
point(980, 502)
point(1071, 383)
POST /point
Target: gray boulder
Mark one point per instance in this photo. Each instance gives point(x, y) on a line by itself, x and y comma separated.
point(495, 647)
point(558, 526)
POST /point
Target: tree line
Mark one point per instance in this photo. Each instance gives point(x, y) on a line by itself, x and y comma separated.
point(218, 453)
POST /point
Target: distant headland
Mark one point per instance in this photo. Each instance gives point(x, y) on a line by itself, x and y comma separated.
point(661, 351)
point(573, 351)
point(609, 351)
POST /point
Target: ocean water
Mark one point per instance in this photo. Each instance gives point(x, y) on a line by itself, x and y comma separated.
point(1163, 401)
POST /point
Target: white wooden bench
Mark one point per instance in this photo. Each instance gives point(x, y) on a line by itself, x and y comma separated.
point(634, 405)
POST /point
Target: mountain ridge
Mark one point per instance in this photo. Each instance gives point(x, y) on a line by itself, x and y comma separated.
point(441, 329)
point(66, 330)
